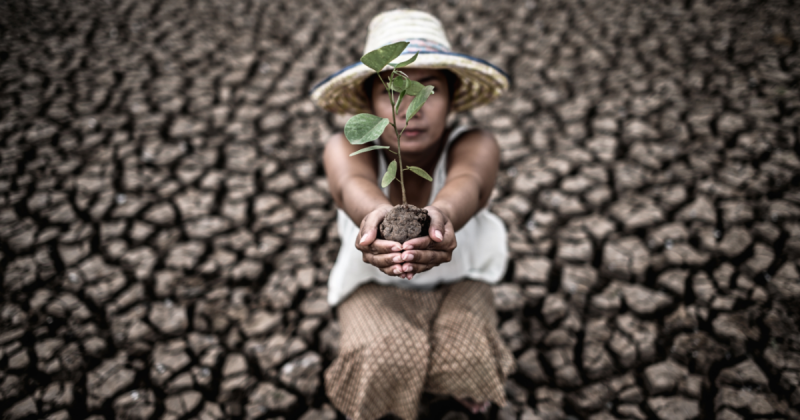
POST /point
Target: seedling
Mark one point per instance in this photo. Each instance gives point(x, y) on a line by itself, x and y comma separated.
point(364, 128)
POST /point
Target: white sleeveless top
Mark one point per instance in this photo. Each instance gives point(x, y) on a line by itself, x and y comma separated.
point(481, 252)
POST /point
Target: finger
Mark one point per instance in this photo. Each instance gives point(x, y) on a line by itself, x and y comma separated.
point(416, 268)
point(393, 270)
point(382, 246)
point(382, 260)
point(418, 243)
point(369, 227)
point(367, 236)
point(436, 229)
point(426, 257)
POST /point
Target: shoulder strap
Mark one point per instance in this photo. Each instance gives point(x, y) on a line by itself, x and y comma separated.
point(440, 172)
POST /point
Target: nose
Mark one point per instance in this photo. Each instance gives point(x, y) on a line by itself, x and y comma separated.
point(404, 104)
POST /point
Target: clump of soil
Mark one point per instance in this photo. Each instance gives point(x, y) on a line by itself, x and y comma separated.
point(404, 222)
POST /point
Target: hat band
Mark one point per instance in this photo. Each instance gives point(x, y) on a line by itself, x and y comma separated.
point(424, 45)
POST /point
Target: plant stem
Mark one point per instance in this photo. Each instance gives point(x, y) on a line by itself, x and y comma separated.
point(399, 155)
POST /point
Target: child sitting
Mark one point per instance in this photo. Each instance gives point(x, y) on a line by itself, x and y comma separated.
point(418, 316)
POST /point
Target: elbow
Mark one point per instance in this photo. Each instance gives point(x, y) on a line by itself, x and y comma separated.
point(483, 198)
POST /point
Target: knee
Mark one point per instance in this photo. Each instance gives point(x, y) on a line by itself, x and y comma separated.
point(399, 357)
point(464, 341)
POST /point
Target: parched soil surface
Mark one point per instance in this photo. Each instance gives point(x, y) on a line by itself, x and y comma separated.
point(166, 230)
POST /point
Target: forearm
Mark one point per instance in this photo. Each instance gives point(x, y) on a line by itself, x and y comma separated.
point(459, 199)
point(359, 197)
point(352, 179)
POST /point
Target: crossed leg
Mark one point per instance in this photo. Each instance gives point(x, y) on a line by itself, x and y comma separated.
point(468, 358)
point(384, 352)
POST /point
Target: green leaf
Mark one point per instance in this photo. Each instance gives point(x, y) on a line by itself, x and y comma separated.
point(421, 172)
point(391, 173)
point(378, 59)
point(368, 149)
point(364, 128)
point(407, 62)
point(414, 88)
point(399, 100)
point(399, 84)
point(418, 101)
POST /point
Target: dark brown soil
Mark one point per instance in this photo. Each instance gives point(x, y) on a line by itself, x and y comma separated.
point(404, 222)
point(167, 236)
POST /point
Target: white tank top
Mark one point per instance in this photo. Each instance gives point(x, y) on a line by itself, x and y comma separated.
point(481, 252)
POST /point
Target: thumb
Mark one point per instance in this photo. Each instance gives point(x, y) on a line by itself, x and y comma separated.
point(369, 229)
point(368, 236)
point(436, 230)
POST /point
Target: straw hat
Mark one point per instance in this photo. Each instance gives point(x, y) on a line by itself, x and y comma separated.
point(481, 82)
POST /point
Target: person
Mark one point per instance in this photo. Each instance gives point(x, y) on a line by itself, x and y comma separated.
point(418, 316)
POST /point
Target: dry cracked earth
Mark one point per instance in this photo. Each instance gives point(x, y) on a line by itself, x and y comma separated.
point(166, 229)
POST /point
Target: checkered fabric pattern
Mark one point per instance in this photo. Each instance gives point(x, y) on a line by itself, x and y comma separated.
point(398, 343)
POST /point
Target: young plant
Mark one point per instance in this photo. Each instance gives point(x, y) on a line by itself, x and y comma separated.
point(364, 128)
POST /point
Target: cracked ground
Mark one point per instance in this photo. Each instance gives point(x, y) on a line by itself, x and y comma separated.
point(166, 231)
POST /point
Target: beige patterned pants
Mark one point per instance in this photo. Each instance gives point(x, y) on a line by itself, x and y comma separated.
point(397, 343)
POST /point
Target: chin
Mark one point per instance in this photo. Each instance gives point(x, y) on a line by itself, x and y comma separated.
point(416, 144)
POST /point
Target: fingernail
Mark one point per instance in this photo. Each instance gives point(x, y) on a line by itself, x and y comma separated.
point(397, 259)
point(437, 234)
point(397, 271)
point(407, 269)
point(363, 239)
point(396, 249)
point(408, 257)
point(408, 247)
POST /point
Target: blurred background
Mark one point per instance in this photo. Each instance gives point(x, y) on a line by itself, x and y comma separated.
point(166, 231)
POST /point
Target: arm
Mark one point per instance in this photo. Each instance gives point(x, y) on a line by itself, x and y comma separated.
point(471, 174)
point(353, 186)
point(352, 179)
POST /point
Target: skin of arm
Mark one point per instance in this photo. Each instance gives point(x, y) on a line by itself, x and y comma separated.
point(352, 179)
point(473, 163)
point(353, 186)
point(471, 174)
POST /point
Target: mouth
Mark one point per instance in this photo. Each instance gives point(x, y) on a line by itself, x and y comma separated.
point(412, 133)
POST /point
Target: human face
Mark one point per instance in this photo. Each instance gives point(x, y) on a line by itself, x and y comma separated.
point(426, 127)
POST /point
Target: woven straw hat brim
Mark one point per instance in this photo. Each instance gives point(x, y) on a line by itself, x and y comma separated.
point(481, 82)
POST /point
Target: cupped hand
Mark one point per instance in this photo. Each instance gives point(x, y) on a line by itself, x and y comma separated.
point(386, 255)
point(422, 254)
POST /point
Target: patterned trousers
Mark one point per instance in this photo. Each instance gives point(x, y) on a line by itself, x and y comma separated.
point(398, 343)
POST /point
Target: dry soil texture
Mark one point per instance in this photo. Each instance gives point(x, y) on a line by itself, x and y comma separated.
point(166, 230)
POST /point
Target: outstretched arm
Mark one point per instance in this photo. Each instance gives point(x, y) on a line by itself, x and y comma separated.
point(353, 186)
point(471, 174)
point(352, 179)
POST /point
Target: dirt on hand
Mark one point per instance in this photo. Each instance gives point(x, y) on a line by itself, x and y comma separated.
point(404, 222)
